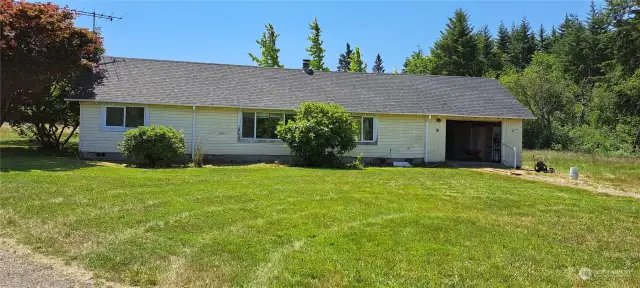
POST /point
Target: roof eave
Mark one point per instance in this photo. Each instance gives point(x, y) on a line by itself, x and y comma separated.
point(264, 108)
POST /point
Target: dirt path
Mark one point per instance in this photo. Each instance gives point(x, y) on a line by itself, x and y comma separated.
point(555, 179)
point(20, 267)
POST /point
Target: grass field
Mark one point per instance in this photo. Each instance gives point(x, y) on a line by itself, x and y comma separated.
point(263, 225)
point(622, 173)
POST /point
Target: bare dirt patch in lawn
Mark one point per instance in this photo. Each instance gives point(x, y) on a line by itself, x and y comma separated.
point(21, 267)
point(562, 180)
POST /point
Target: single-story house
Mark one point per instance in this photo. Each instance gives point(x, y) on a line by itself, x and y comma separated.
point(233, 110)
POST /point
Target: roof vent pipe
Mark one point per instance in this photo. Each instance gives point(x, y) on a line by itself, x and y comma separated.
point(305, 66)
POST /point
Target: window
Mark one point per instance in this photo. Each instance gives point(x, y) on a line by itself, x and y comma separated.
point(266, 124)
point(365, 129)
point(289, 117)
point(262, 125)
point(119, 118)
point(134, 117)
point(115, 116)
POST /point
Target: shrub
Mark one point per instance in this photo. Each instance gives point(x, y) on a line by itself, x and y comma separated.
point(198, 155)
point(605, 141)
point(152, 143)
point(357, 164)
point(319, 134)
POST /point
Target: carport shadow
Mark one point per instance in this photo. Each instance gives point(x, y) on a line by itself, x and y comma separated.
point(29, 159)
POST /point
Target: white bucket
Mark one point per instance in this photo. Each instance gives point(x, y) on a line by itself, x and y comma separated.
point(573, 173)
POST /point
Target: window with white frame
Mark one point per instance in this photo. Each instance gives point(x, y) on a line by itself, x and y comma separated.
point(365, 128)
point(123, 117)
point(262, 125)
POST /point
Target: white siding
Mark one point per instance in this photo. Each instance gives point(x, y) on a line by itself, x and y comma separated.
point(217, 130)
point(92, 139)
point(399, 136)
point(512, 136)
point(178, 117)
point(404, 135)
point(437, 137)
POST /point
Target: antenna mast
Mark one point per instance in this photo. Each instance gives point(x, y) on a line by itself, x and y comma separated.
point(95, 15)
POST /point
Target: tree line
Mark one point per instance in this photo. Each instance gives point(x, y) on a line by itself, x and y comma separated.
point(349, 61)
point(580, 79)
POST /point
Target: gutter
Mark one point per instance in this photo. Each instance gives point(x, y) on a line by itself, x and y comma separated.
point(280, 109)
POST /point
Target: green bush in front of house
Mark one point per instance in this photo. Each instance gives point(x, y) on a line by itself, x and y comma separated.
point(153, 144)
point(319, 134)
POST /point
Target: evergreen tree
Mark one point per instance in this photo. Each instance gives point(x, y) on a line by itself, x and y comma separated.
point(572, 50)
point(343, 61)
point(569, 22)
point(455, 52)
point(488, 58)
point(543, 40)
point(504, 38)
point(378, 68)
point(315, 50)
point(268, 49)
point(522, 46)
point(356, 62)
point(625, 19)
point(395, 70)
point(553, 38)
point(597, 40)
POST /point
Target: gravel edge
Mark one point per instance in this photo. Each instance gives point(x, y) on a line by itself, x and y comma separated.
point(21, 267)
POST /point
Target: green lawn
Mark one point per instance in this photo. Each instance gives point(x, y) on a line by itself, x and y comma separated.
point(262, 225)
point(622, 173)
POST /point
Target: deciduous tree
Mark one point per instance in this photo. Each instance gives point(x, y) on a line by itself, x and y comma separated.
point(546, 91)
point(44, 59)
point(418, 63)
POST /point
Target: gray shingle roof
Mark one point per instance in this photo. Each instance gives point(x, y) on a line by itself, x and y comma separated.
point(203, 84)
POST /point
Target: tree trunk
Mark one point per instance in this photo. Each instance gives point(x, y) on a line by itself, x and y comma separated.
point(73, 131)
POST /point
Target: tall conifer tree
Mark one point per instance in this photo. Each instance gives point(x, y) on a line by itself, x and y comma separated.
point(268, 49)
point(356, 62)
point(315, 50)
point(377, 67)
point(522, 46)
point(343, 59)
point(455, 52)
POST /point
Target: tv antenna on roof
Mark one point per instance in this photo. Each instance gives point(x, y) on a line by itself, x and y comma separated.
point(94, 15)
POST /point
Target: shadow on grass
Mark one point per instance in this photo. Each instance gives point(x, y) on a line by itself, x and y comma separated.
point(28, 159)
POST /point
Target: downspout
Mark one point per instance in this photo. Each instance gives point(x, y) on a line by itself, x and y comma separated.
point(193, 133)
point(426, 142)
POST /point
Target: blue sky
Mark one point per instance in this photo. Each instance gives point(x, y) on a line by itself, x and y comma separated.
point(224, 32)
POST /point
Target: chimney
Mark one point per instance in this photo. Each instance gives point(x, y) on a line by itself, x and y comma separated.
point(305, 66)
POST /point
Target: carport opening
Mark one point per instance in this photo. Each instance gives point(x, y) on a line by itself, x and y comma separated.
point(473, 141)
